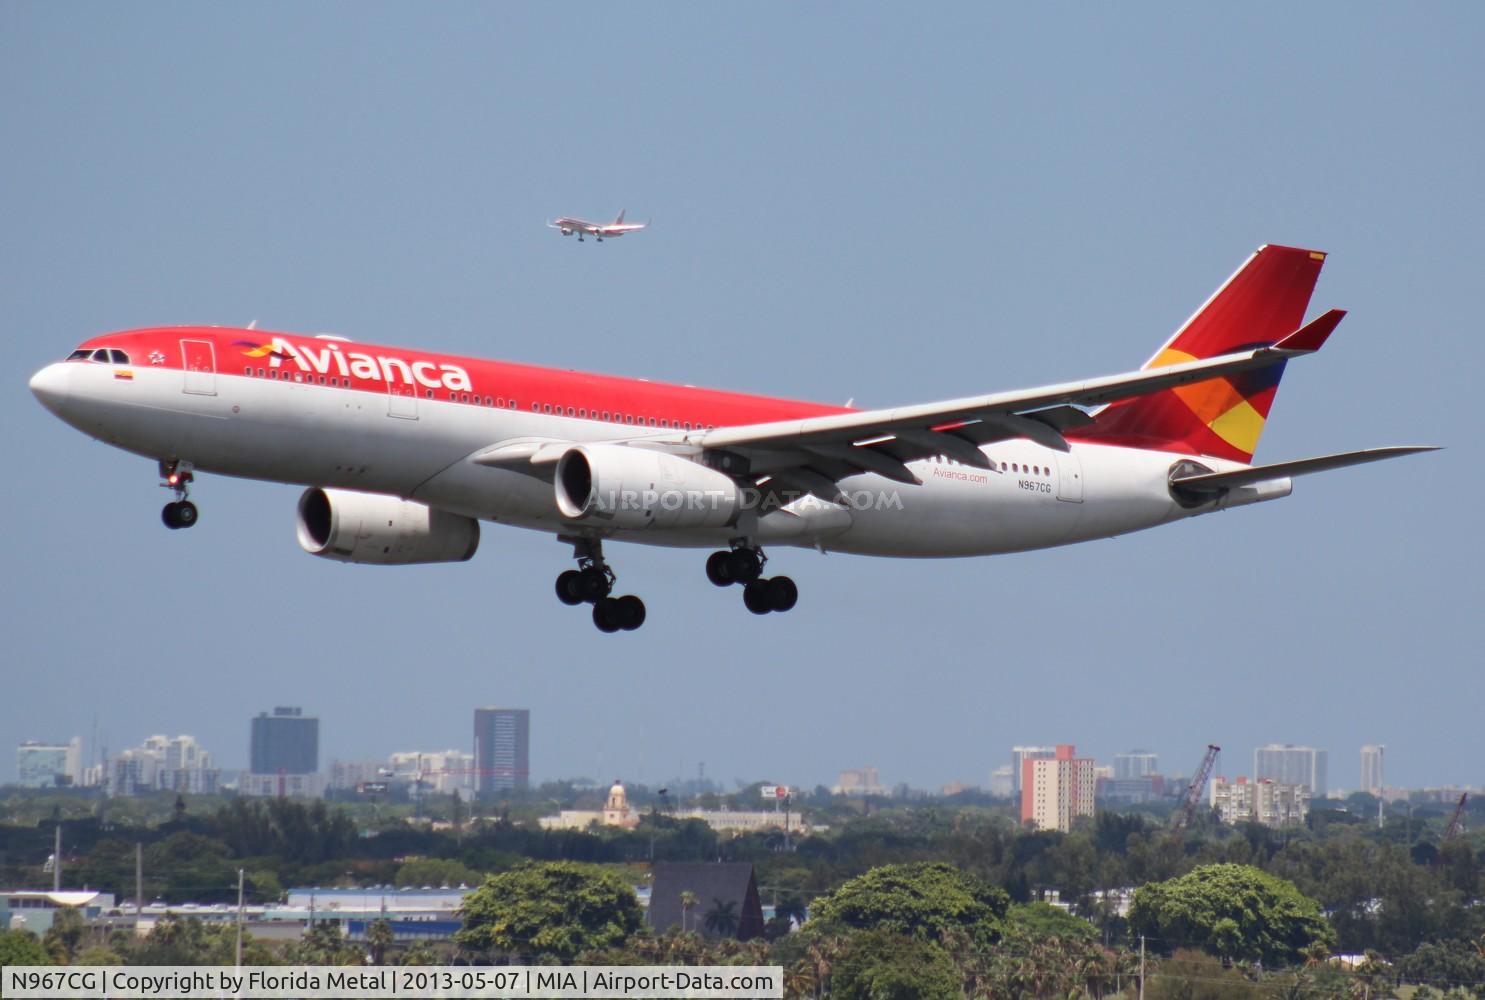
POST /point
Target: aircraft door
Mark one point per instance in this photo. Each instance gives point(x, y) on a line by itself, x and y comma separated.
point(1069, 477)
point(200, 366)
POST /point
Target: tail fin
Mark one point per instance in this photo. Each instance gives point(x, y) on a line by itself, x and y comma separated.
point(620, 220)
point(1259, 305)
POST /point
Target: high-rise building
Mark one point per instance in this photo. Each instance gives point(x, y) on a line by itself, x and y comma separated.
point(1149, 788)
point(1021, 754)
point(1135, 764)
point(1287, 764)
point(859, 781)
point(1055, 790)
point(43, 765)
point(1268, 803)
point(286, 742)
point(502, 749)
point(161, 763)
point(1371, 768)
point(442, 771)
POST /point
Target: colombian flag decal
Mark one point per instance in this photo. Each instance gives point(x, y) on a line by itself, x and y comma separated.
point(124, 374)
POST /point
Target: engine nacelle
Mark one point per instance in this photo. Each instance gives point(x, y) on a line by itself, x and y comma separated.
point(634, 488)
point(373, 528)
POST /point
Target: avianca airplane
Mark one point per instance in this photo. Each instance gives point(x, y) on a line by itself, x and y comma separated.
point(616, 228)
point(404, 452)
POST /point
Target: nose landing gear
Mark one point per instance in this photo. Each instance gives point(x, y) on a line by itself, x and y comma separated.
point(177, 476)
point(592, 583)
point(744, 564)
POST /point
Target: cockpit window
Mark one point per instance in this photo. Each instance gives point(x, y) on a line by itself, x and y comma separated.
point(101, 355)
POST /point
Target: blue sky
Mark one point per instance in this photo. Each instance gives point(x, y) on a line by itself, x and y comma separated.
point(883, 203)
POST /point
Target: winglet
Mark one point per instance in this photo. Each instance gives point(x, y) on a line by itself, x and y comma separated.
point(1312, 336)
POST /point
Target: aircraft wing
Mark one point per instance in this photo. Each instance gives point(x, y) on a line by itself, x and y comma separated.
point(814, 453)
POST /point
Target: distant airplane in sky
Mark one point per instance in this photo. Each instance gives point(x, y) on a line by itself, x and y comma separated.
point(597, 229)
point(405, 452)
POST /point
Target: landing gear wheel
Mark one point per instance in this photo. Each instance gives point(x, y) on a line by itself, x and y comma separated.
point(756, 597)
point(569, 587)
point(629, 611)
point(593, 584)
point(179, 514)
point(782, 594)
point(719, 568)
point(744, 565)
point(604, 617)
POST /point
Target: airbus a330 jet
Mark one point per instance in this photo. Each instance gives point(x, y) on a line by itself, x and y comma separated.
point(599, 230)
point(403, 452)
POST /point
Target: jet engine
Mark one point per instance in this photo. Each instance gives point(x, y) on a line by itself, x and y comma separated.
point(372, 528)
point(632, 488)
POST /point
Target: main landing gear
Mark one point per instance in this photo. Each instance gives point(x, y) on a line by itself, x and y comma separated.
point(592, 583)
point(744, 564)
point(177, 476)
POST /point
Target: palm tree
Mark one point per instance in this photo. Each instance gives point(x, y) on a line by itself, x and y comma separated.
point(379, 940)
point(722, 919)
point(688, 903)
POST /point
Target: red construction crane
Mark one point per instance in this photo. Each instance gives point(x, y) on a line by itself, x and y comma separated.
point(1456, 823)
point(1193, 792)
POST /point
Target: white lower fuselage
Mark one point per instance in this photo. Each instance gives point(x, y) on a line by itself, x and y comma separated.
point(298, 432)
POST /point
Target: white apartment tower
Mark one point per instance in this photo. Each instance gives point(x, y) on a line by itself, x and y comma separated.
point(1371, 768)
point(1135, 764)
point(1264, 802)
point(1287, 764)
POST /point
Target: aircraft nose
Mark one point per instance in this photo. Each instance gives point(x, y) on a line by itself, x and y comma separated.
point(51, 386)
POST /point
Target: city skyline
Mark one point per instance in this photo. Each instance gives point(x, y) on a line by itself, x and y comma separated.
point(444, 763)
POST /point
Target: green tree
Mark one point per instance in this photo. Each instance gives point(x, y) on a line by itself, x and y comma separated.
point(549, 910)
point(98, 955)
point(881, 965)
point(688, 903)
point(64, 937)
point(1039, 921)
point(420, 953)
point(1233, 911)
point(918, 899)
point(22, 948)
point(195, 868)
point(174, 941)
point(721, 919)
point(379, 940)
point(435, 871)
point(1191, 975)
point(324, 944)
point(1442, 963)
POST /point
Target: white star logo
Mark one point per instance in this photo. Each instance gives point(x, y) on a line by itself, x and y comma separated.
point(157, 358)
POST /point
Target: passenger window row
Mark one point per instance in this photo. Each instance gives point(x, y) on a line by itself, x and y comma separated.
point(611, 417)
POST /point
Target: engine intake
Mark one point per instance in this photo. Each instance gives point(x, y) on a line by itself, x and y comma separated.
point(636, 488)
point(371, 528)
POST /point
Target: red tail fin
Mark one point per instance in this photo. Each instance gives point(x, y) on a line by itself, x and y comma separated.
point(1261, 304)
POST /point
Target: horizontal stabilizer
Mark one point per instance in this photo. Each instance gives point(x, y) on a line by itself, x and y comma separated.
point(1312, 336)
point(1216, 482)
